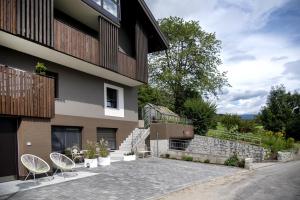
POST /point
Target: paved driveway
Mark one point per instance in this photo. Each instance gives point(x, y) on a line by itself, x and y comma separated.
point(141, 179)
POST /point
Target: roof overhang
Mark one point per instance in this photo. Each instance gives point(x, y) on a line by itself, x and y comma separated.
point(159, 36)
point(19, 44)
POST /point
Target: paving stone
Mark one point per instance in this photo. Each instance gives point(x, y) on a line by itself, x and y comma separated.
point(141, 179)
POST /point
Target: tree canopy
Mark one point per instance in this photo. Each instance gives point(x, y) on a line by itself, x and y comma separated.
point(278, 114)
point(188, 69)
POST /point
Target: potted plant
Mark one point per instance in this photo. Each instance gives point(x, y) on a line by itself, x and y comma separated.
point(129, 156)
point(40, 68)
point(90, 155)
point(104, 158)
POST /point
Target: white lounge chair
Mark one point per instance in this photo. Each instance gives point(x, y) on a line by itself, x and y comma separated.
point(34, 165)
point(62, 163)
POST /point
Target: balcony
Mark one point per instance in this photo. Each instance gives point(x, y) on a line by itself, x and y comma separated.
point(126, 65)
point(75, 43)
point(25, 94)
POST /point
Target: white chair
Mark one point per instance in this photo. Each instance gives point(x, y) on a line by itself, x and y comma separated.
point(62, 163)
point(34, 165)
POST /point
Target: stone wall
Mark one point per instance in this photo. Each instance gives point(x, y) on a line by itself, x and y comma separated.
point(207, 148)
point(285, 156)
point(224, 148)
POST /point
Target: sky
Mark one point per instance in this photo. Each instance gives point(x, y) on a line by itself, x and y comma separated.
point(260, 45)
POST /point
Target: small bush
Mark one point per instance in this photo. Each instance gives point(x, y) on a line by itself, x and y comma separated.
point(187, 158)
point(235, 161)
point(207, 161)
point(167, 155)
point(230, 121)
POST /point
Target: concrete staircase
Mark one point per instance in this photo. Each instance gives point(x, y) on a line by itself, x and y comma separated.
point(132, 142)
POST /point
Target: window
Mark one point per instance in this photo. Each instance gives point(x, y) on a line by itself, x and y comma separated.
point(65, 137)
point(111, 6)
point(55, 77)
point(112, 98)
point(109, 135)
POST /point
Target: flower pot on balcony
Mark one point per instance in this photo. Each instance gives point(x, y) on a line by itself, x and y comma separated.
point(104, 161)
point(91, 163)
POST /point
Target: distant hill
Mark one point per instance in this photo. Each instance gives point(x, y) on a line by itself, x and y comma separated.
point(248, 116)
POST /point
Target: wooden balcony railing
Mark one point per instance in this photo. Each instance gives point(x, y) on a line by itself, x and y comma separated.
point(25, 94)
point(75, 43)
point(126, 65)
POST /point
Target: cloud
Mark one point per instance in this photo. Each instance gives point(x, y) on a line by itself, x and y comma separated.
point(292, 70)
point(240, 58)
point(274, 59)
point(247, 94)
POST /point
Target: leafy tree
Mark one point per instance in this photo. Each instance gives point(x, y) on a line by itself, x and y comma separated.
point(246, 126)
point(201, 113)
point(278, 115)
point(148, 94)
point(230, 121)
point(189, 66)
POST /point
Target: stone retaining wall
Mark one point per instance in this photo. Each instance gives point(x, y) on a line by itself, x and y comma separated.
point(285, 156)
point(224, 148)
point(207, 148)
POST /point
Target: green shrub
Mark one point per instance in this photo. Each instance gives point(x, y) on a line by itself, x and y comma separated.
point(290, 142)
point(102, 147)
point(207, 161)
point(235, 161)
point(187, 158)
point(40, 68)
point(201, 113)
point(167, 155)
point(90, 152)
point(246, 126)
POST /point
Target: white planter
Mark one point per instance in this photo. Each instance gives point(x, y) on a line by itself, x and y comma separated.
point(91, 163)
point(129, 158)
point(104, 161)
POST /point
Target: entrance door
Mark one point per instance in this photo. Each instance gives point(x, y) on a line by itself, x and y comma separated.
point(108, 134)
point(8, 149)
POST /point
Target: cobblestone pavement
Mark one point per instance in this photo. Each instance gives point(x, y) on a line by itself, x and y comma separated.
point(141, 179)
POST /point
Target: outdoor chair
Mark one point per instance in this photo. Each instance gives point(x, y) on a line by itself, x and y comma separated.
point(62, 163)
point(34, 165)
point(143, 150)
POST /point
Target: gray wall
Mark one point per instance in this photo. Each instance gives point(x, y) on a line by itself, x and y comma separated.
point(80, 94)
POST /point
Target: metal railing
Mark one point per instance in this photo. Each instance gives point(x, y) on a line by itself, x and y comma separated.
point(177, 144)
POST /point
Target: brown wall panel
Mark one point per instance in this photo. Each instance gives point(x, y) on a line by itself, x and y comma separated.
point(109, 43)
point(75, 43)
point(35, 20)
point(8, 15)
point(126, 65)
point(25, 94)
point(141, 53)
point(167, 131)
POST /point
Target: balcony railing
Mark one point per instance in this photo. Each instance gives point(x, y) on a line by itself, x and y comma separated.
point(25, 94)
point(126, 65)
point(177, 144)
point(76, 43)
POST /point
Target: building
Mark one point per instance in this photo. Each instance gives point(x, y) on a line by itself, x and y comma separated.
point(95, 52)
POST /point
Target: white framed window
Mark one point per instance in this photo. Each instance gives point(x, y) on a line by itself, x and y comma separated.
point(113, 100)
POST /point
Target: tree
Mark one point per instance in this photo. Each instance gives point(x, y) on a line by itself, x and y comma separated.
point(230, 121)
point(201, 113)
point(148, 94)
point(189, 67)
point(278, 115)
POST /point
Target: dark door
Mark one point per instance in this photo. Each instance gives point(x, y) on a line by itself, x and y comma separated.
point(108, 134)
point(8, 148)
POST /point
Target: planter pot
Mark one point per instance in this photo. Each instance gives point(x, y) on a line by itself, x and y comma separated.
point(104, 161)
point(129, 158)
point(91, 163)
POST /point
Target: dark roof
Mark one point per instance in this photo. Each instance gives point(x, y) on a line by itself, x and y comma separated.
point(163, 110)
point(164, 42)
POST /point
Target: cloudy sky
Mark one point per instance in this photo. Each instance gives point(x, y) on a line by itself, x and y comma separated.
point(260, 40)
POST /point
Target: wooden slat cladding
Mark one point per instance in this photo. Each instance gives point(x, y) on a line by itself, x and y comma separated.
point(75, 43)
point(109, 43)
point(8, 15)
point(35, 20)
point(126, 65)
point(25, 94)
point(141, 53)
